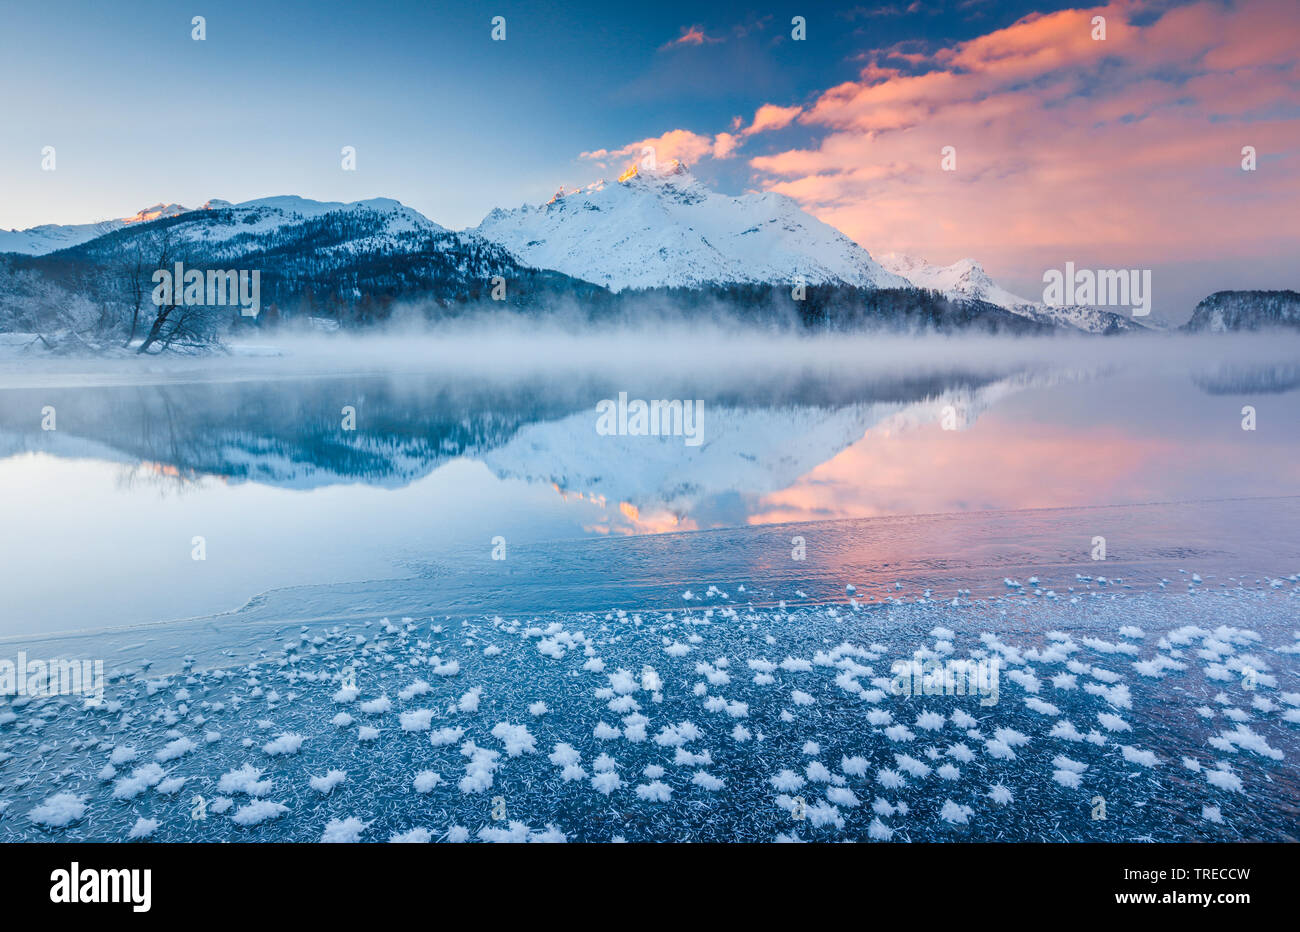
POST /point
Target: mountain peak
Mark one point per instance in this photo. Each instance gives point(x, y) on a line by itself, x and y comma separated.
point(671, 179)
point(51, 237)
point(156, 211)
point(671, 176)
point(965, 278)
point(672, 170)
point(657, 225)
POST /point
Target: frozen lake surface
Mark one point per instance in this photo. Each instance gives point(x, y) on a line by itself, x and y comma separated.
point(1176, 713)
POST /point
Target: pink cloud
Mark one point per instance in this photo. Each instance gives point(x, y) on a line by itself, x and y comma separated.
point(681, 144)
point(724, 144)
point(771, 117)
point(1120, 152)
point(691, 35)
point(688, 146)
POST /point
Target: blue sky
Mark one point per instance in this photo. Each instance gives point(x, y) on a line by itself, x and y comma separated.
point(443, 118)
point(1123, 153)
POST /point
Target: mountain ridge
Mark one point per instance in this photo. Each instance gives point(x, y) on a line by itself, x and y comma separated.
point(51, 237)
point(654, 228)
point(966, 280)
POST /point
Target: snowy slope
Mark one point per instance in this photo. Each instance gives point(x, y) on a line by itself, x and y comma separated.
point(262, 215)
point(320, 257)
point(651, 228)
point(664, 228)
point(966, 279)
point(269, 214)
point(656, 228)
point(51, 237)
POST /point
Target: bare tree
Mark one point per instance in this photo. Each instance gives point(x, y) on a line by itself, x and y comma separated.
point(177, 322)
point(137, 288)
point(164, 309)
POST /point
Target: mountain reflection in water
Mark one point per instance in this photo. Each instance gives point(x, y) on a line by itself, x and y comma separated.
point(440, 464)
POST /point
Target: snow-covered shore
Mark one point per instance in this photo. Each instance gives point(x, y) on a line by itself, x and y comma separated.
point(1174, 715)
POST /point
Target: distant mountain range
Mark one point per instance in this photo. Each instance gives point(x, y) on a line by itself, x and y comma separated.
point(966, 280)
point(51, 237)
point(314, 254)
point(652, 229)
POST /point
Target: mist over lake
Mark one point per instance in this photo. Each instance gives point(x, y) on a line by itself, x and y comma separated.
point(254, 453)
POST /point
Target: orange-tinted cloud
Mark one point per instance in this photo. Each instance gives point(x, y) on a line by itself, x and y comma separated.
point(1122, 153)
point(692, 35)
point(681, 144)
point(688, 146)
point(771, 117)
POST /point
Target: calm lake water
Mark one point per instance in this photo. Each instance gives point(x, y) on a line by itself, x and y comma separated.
point(253, 456)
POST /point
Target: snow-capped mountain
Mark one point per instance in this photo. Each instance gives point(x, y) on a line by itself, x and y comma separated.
point(662, 227)
point(320, 253)
point(966, 280)
point(652, 228)
point(387, 217)
point(50, 237)
point(260, 216)
point(221, 228)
